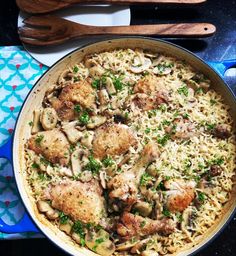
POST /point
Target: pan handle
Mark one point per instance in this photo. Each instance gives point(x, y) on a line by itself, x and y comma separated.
point(221, 67)
point(25, 224)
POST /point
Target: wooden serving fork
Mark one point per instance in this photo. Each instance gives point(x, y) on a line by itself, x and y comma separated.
point(52, 30)
point(46, 6)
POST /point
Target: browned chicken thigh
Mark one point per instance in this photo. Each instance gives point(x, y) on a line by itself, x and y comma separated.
point(81, 201)
point(53, 145)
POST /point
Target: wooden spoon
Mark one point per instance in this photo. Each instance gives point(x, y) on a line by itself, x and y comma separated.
point(46, 6)
point(51, 30)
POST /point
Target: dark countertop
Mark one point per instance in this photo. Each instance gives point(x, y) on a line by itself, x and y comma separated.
point(221, 46)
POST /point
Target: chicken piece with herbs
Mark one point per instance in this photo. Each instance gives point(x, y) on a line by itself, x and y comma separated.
point(81, 201)
point(52, 145)
point(131, 225)
point(179, 193)
point(124, 186)
point(112, 140)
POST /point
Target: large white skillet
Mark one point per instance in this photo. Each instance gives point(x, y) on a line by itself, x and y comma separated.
point(34, 100)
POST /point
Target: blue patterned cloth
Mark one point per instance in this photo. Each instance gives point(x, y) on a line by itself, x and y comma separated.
point(18, 72)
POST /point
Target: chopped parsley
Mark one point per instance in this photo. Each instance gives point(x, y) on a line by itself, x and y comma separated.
point(31, 123)
point(161, 186)
point(162, 107)
point(77, 108)
point(75, 69)
point(199, 91)
point(185, 116)
point(218, 161)
point(39, 139)
point(43, 176)
point(147, 130)
point(145, 178)
point(142, 224)
point(201, 197)
point(78, 228)
point(163, 140)
point(166, 212)
point(213, 102)
point(209, 126)
point(63, 218)
point(84, 118)
point(107, 161)
point(96, 83)
point(35, 166)
point(118, 83)
point(183, 90)
point(93, 165)
point(179, 217)
point(166, 123)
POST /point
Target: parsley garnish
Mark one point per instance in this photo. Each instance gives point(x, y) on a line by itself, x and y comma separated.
point(163, 140)
point(30, 123)
point(75, 69)
point(63, 218)
point(78, 228)
point(166, 212)
point(77, 108)
point(118, 84)
point(84, 118)
point(213, 102)
point(183, 90)
point(93, 165)
point(35, 166)
point(107, 161)
point(201, 197)
point(145, 178)
point(39, 139)
point(96, 83)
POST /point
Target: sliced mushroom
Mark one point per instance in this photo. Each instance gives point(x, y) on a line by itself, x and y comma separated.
point(140, 65)
point(66, 227)
point(103, 97)
point(140, 246)
point(96, 121)
point(149, 253)
point(222, 131)
point(162, 69)
point(43, 206)
point(52, 214)
point(87, 139)
point(110, 86)
point(126, 245)
point(36, 127)
point(71, 132)
point(96, 71)
point(102, 176)
point(76, 237)
point(100, 243)
point(144, 208)
point(48, 118)
point(76, 161)
point(64, 171)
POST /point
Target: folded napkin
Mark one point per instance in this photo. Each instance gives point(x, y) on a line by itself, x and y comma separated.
point(18, 72)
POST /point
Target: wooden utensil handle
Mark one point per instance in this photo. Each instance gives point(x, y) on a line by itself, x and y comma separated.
point(137, 1)
point(164, 30)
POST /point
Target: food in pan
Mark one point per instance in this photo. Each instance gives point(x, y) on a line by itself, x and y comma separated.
point(131, 152)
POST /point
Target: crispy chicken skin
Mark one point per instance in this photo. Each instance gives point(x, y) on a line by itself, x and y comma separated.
point(124, 187)
point(64, 109)
point(81, 201)
point(147, 85)
point(180, 194)
point(53, 145)
point(131, 225)
point(112, 139)
point(146, 102)
point(79, 93)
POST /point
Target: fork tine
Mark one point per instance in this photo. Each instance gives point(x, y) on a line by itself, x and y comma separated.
point(36, 42)
point(34, 33)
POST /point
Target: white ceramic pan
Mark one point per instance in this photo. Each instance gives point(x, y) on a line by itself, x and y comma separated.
point(34, 100)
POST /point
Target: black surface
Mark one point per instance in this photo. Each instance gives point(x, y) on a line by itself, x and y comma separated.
point(219, 47)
